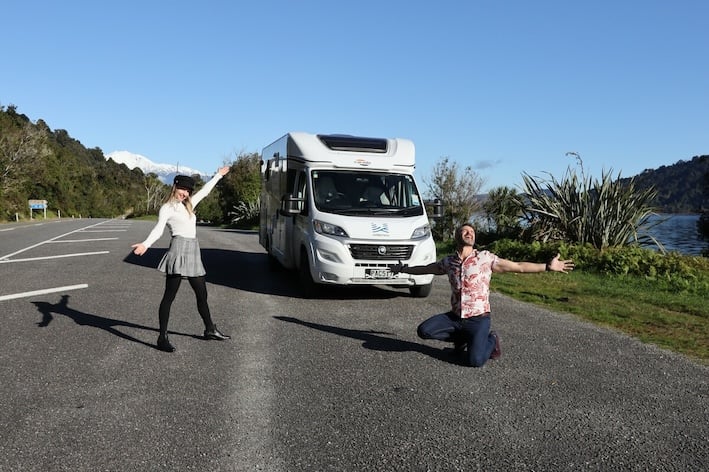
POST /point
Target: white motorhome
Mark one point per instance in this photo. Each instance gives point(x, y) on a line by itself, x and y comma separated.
point(343, 209)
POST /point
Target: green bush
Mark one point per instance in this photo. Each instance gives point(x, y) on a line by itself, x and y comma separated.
point(673, 271)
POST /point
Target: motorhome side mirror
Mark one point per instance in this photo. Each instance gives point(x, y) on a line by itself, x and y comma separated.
point(291, 205)
point(437, 209)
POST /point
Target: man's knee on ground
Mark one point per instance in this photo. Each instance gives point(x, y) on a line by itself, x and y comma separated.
point(423, 333)
point(476, 361)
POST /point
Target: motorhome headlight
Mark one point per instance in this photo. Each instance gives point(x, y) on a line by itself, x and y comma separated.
point(421, 232)
point(328, 228)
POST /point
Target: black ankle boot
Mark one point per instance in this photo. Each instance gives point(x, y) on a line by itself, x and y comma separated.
point(164, 344)
point(215, 334)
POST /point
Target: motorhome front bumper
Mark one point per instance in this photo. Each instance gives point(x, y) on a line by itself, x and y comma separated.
point(359, 263)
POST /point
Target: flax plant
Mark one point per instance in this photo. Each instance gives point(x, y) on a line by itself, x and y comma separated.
point(246, 211)
point(579, 209)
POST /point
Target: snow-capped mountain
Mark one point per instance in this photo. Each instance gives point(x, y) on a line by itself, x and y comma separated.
point(166, 172)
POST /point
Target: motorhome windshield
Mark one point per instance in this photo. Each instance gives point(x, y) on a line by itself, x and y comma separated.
point(356, 192)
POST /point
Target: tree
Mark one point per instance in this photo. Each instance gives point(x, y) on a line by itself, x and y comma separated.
point(22, 149)
point(703, 222)
point(155, 192)
point(241, 187)
point(209, 209)
point(457, 188)
point(504, 211)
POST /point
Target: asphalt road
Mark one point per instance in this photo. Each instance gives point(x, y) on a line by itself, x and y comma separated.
point(339, 383)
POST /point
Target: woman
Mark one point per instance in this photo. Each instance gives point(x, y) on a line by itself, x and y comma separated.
point(183, 259)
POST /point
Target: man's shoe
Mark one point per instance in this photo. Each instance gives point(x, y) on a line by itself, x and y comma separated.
point(215, 334)
point(496, 352)
point(164, 344)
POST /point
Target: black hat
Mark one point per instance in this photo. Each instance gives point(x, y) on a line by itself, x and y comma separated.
point(184, 181)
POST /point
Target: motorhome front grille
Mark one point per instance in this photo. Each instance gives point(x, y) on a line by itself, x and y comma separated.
point(380, 251)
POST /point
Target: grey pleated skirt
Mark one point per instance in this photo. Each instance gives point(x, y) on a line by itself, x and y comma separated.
point(183, 258)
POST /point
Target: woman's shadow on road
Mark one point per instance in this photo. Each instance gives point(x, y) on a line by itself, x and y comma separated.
point(110, 325)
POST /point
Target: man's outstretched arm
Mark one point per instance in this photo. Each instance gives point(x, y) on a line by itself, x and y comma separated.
point(555, 265)
point(432, 268)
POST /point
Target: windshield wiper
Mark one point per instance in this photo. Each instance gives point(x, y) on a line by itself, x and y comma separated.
point(368, 211)
point(410, 211)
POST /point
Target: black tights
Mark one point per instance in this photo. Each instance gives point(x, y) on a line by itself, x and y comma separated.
point(172, 283)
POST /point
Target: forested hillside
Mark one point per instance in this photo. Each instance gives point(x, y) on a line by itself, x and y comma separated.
point(38, 163)
point(681, 187)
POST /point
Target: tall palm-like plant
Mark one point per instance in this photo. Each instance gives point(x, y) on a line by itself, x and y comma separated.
point(503, 210)
point(579, 209)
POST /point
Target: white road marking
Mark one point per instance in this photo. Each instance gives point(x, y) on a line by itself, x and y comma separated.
point(81, 240)
point(2, 259)
point(126, 225)
point(5, 261)
point(42, 292)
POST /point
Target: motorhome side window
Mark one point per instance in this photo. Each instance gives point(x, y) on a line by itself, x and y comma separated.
point(290, 181)
point(355, 192)
point(301, 192)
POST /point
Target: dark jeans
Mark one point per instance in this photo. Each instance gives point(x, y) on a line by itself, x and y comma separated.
point(474, 332)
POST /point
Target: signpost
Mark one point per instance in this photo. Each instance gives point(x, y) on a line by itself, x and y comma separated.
point(38, 205)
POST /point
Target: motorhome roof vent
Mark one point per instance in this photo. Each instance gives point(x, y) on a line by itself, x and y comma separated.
point(343, 142)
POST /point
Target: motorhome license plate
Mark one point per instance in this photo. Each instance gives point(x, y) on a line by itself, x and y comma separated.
point(378, 274)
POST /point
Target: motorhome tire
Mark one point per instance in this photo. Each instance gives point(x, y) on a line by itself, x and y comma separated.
point(307, 285)
point(273, 264)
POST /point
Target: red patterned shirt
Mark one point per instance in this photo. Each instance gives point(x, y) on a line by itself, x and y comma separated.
point(470, 282)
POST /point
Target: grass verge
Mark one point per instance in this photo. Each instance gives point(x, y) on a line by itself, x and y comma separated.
point(642, 308)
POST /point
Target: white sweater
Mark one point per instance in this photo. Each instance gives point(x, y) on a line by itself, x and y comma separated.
point(175, 215)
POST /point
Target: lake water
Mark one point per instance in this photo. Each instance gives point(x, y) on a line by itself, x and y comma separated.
point(678, 233)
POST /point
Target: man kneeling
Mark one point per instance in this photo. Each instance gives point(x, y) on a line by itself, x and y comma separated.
point(469, 271)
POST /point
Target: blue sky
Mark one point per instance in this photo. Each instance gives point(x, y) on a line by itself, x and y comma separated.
point(505, 87)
